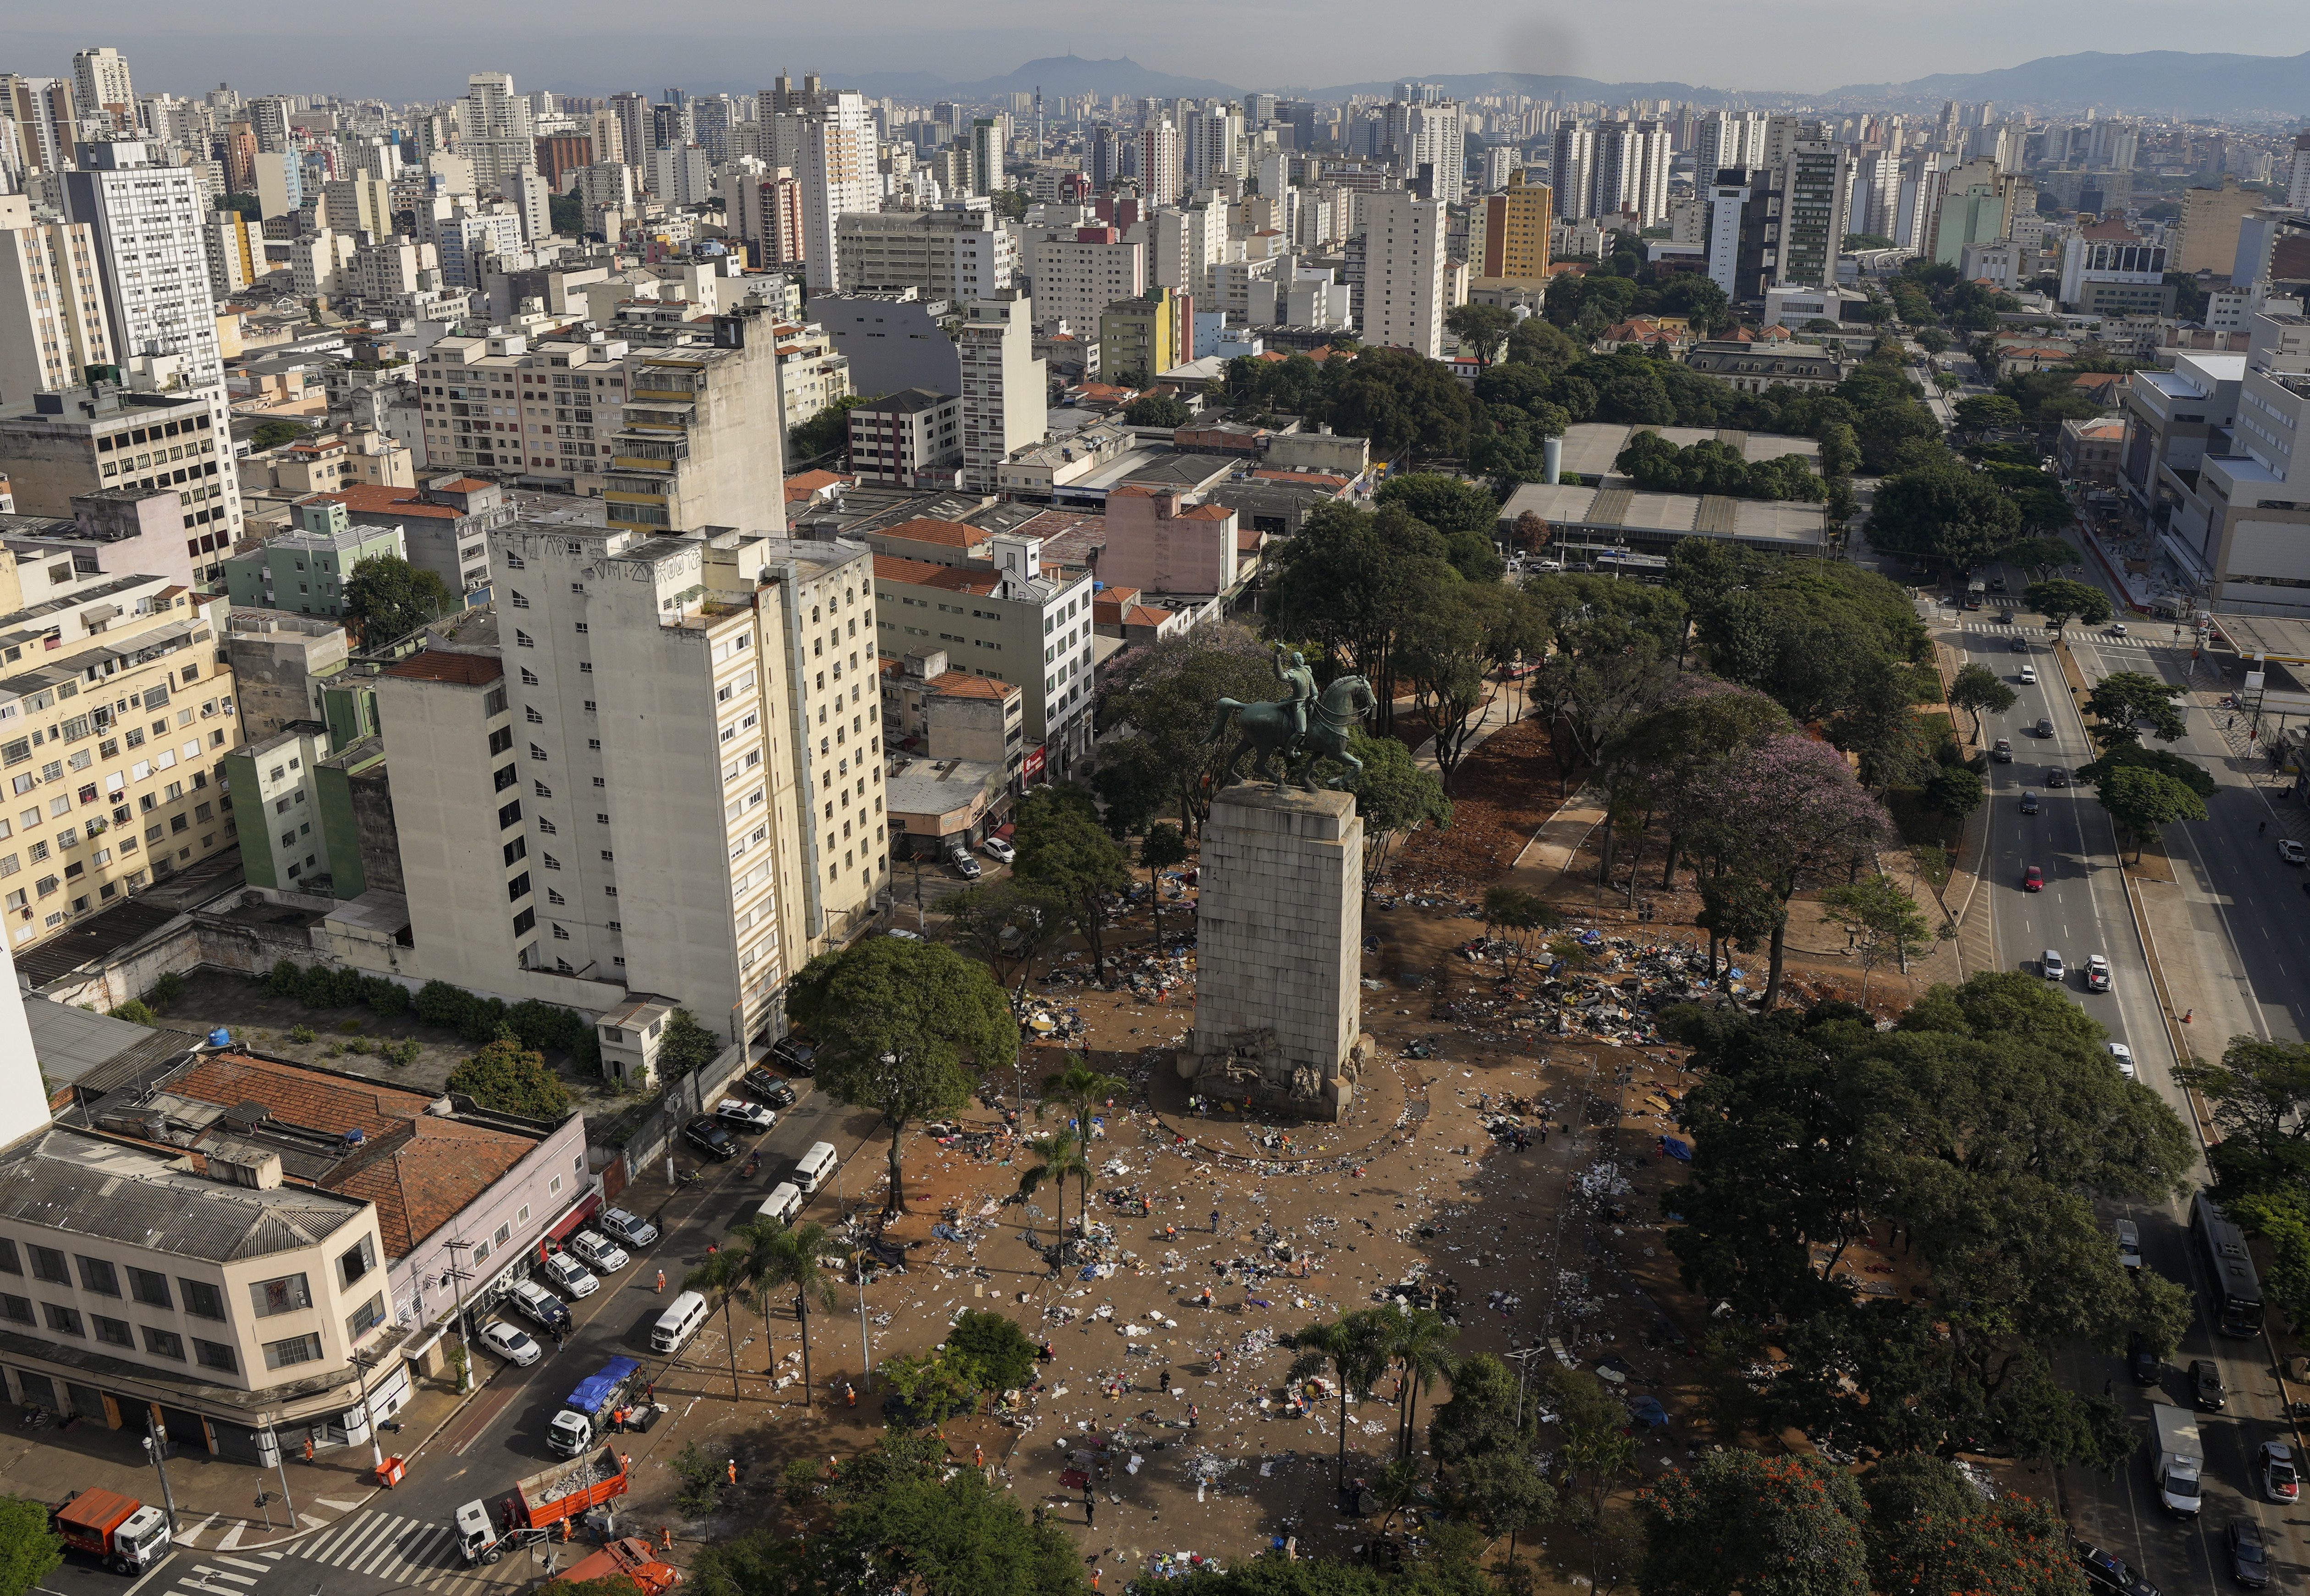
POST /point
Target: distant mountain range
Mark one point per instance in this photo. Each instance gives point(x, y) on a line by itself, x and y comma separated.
point(2174, 82)
point(2151, 82)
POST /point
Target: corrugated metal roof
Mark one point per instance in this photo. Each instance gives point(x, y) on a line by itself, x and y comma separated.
point(79, 1184)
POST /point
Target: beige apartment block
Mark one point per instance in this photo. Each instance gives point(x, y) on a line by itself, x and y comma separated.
point(116, 710)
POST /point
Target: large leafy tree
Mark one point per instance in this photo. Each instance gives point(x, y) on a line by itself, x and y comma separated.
point(1347, 583)
point(510, 1079)
point(1943, 516)
point(1452, 639)
point(392, 598)
point(2122, 701)
point(1063, 852)
point(1164, 693)
point(901, 1028)
point(1404, 403)
point(1395, 796)
point(1463, 514)
point(1976, 688)
point(1738, 1522)
point(2062, 601)
point(1009, 923)
point(29, 1547)
point(2143, 800)
point(1483, 329)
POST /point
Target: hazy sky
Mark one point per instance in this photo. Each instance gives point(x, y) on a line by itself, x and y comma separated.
point(423, 49)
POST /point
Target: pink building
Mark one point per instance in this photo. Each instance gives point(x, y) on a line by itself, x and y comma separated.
point(1160, 543)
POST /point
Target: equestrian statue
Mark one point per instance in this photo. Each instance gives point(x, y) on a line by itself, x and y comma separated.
point(1301, 727)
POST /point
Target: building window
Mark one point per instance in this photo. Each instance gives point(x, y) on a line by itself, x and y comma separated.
point(64, 1322)
point(48, 1264)
point(284, 1294)
point(97, 1276)
point(117, 1333)
point(16, 1308)
point(210, 1355)
point(9, 1262)
point(201, 1299)
point(366, 1317)
point(357, 1262)
point(164, 1343)
point(149, 1287)
point(296, 1350)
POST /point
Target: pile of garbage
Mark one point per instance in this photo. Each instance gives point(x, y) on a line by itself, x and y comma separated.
point(1610, 989)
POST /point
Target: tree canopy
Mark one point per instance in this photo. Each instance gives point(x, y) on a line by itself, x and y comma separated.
point(392, 598)
point(508, 1078)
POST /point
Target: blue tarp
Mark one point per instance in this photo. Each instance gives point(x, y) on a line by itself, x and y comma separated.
point(1677, 1147)
point(1648, 1410)
point(594, 1393)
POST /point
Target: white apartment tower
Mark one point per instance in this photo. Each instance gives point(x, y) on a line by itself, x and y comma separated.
point(1632, 161)
point(1575, 170)
point(1403, 272)
point(101, 84)
point(663, 779)
point(1727, 140)
point(1005, 397)
point(1160, 179)
point(53, 325)
point(840, 172)
point(497, 138)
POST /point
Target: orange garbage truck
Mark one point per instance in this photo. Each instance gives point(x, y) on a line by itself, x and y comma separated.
point(539, 1504)
point(127, 1536)
point(632, 1558)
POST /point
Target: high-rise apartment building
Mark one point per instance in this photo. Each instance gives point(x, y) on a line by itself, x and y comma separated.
point(1004, 393)
point(1213, 142)
point(358, 205)
point(1728, 141)
point(110, 734)
point(53, 325)
point(268, 118)
point(961, 251)
point(1160, 179)
point(987, 137)
point(699, 441)
point(840, 173)
point(1631, 165)
point(1508, 234)
point(1815, 181)
point(632, 112)
point(499, 137)
point(1075, 278)
point(101, 84)
point(46, 123)
point(661, 778)
point(1573, 171)
point(234, 253)
point(77, 441)
point(1403, 305)
point(679, 174)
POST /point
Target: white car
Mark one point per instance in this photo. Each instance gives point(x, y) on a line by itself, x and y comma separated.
point(511, 1344)
point(903, 935)
point(630, 1228)
point(2289, 852)
point(602, 1254)
point(2050, 962)
point(540, 1306)
point(571, 1275)
point(2122, 1056)
point(2117, 629)
point(994, 847)
point(2028, 675)
point(742, 1116)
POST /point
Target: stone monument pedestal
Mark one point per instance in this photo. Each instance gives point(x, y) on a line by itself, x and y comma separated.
point(1279, 952)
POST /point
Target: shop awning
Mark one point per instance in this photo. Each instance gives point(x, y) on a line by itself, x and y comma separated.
point(586, 1208)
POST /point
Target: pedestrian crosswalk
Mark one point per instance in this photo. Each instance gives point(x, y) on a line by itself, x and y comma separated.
point(379, 1545)
point(2141, 638)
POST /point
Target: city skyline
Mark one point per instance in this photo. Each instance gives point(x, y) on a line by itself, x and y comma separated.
point(1706, 48)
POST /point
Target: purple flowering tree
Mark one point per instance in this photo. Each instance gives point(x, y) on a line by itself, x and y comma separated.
point(1790, 814)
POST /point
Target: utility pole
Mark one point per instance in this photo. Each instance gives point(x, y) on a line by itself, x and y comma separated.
point(363, 1362)
point(456, 1277)
point(155, 1449)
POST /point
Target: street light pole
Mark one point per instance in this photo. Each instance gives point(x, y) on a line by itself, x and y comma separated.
point(363, 1362)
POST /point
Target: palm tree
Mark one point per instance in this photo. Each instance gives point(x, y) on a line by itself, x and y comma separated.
point(786, 1258)
point(1057, 1156)
point(1079, 1087)
point(724, 1271)
point(1352, 1349)
point(1419, 1341)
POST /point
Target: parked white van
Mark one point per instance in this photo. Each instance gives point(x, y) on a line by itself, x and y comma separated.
point(679, 1323)
point(818, 1163)
point(783, 1203)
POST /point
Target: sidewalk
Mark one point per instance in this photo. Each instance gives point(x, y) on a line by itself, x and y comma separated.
point(215, 1496)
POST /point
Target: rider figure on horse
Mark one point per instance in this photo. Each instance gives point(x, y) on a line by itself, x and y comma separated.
point(1291, 669)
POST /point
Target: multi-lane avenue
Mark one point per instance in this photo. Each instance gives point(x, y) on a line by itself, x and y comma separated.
point(2246, 936)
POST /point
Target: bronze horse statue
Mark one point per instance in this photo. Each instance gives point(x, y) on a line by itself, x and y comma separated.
point(1268, 729)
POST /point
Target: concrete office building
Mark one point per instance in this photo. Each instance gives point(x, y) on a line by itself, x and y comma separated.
point(2206, 235)
point(699, 442)
point(840, 174)
point(893, 340)
point(77, 441)
point(664, 777)
point(958, 252)
point(1005, 619)
point(1814, 191)
point(131, 718)
point(1403, 305)
point(53, 325)
point(1161, 178)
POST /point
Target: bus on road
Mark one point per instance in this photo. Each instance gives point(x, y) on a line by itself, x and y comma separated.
point(2229, 1269)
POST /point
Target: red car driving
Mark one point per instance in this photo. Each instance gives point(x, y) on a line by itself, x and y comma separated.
point(2033, 879)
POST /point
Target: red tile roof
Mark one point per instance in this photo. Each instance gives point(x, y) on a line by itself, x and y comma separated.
point(1208, 512)
point(922, 572)
point(806, 484)
point(1314, 478)
point(367, 498)
point(464, 485)
point(419, 1170)
point(440, 664)
point(962, 684)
